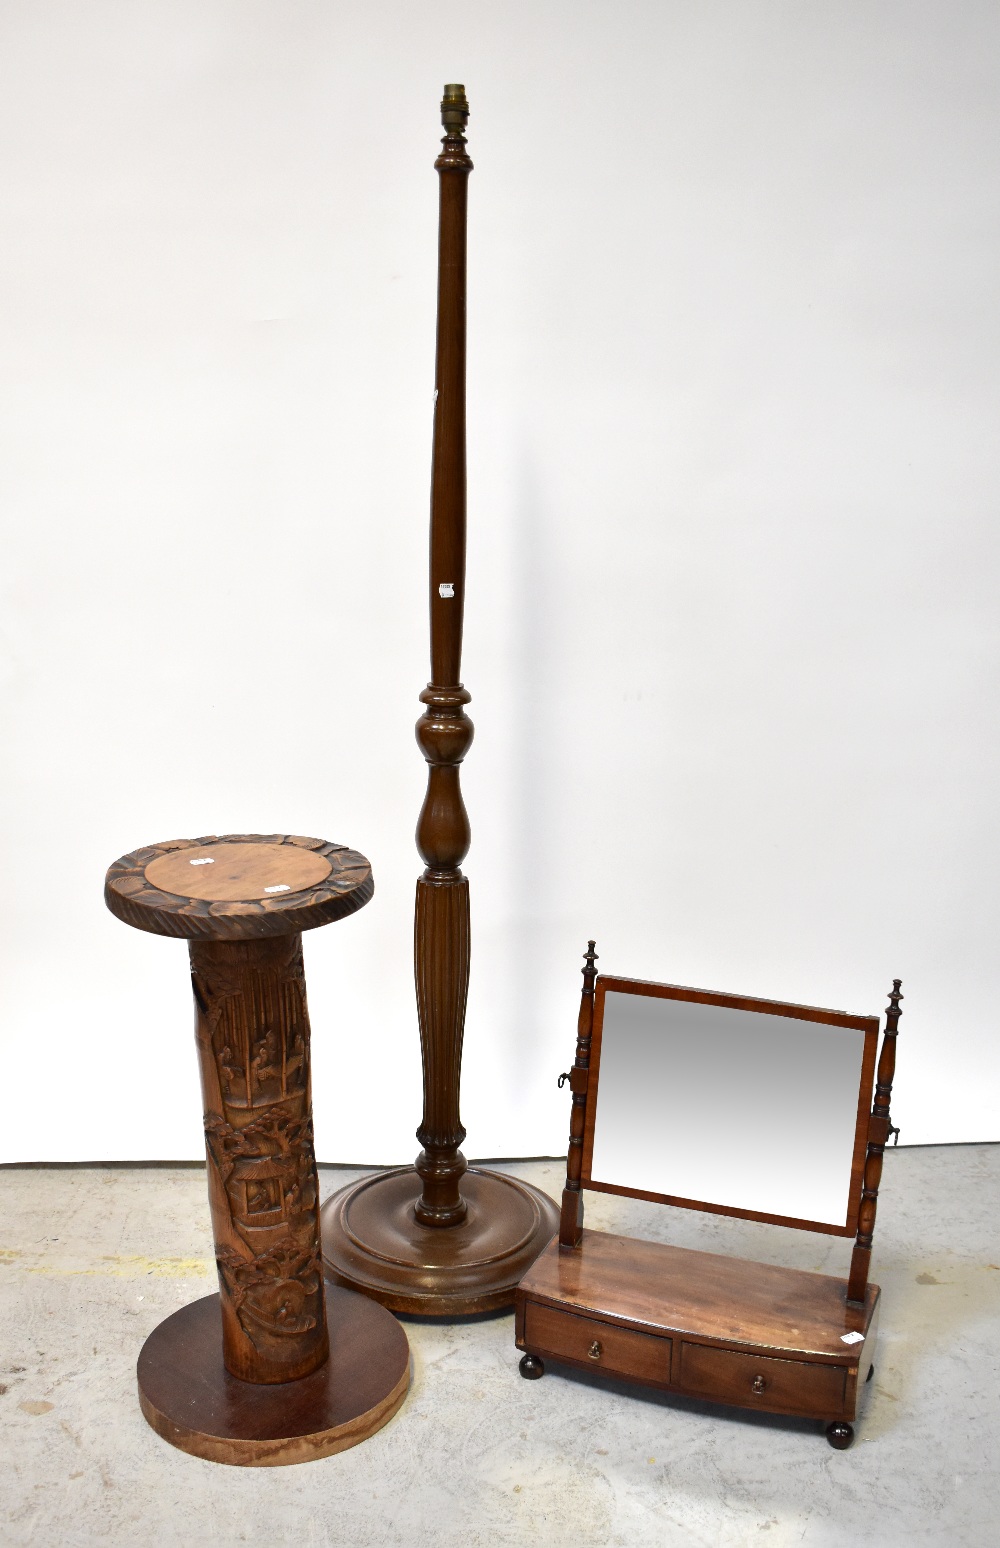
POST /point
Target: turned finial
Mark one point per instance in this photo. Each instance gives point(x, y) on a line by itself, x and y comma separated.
point(887, 1063)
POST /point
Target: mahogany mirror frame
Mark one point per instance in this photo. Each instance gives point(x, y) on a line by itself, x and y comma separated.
point(703, 1324)
point(869, 1025)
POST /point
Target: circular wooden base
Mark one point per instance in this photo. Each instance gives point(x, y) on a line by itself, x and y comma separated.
point(373, 1242)
point(190, 1398)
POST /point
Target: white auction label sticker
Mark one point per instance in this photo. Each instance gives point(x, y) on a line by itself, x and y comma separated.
point(852, 1338)
point(446, 589)
point(205, 860)
point(281, 887)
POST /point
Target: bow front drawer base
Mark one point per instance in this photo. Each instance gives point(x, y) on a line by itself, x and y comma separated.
point(724, 1329)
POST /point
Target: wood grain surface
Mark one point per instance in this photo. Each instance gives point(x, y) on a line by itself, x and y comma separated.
point(374, 1241)
point(597, 1345)
point(133, 897)
point(761, 1381)
point(192, 1401)
point(725, 1329)
point(703, 1295)
point(238, 873)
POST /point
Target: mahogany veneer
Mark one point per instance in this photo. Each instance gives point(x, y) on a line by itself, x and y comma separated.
point(698, 1323)
point(725, 1329)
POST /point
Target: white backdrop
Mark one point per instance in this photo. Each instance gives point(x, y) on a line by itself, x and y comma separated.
point(732, 622)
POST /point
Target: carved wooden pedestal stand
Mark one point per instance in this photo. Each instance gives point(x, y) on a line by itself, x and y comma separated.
point(411, 1238)
point(271, 1370)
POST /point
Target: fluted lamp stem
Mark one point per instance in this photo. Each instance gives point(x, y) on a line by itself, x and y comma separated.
point(444, 732)
point(442, 1237)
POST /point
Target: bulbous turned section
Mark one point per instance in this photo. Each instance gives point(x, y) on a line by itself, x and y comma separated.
point(444, 731)
point(440, 1171)
point(444, 734)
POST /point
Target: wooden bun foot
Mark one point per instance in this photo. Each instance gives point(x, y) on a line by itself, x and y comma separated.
point(840, 1435)
point(190, 1399)
point(531, 1367)
point(373, 1242)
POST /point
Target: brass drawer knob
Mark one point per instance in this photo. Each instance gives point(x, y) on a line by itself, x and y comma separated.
point(757, 1385)
point(596, 1350)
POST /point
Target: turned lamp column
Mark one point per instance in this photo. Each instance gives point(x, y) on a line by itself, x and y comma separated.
point(444, 732)
point(442, 1237)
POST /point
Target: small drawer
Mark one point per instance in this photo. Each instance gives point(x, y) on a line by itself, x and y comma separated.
point(789, 1386)
point(584, 1340)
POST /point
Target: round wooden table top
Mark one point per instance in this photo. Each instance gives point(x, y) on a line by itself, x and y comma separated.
point(237, 887)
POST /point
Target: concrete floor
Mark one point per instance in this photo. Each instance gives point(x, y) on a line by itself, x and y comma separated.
point(93, 1258)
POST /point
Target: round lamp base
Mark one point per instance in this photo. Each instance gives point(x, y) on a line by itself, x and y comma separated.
point(373, 1242)
point(190, 1399)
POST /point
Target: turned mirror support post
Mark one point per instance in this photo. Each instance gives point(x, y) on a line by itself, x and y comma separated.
point(571, 1217)
point(878, 1135)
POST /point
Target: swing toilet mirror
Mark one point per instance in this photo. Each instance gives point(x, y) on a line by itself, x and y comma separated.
point(736, 1106)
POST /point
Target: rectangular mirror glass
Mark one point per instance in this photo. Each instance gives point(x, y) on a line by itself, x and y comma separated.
point(738, 1106)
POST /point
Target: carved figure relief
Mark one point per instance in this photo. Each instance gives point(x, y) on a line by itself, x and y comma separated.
point(253, 1034)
